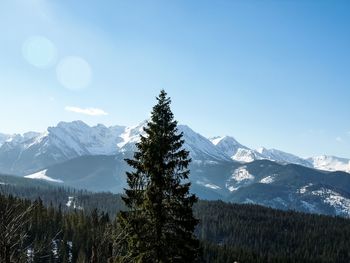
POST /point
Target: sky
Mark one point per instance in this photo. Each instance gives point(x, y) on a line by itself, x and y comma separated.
point(269, 73)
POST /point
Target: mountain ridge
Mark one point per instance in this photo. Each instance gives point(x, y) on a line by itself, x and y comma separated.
point(69, 140)
point(92, 157)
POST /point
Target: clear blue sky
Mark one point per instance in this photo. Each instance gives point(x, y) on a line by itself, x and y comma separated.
point(271, 73)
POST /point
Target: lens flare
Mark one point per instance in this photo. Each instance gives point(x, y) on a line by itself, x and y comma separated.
point(74, 73)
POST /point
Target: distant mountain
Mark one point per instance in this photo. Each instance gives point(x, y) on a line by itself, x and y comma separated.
point(241, 153)
point(291, 187)
point(24, 154)
point(330, 163)
point(282, 186)
point(77, 155)
point(201, 148)
point(94, 172)
point(3, 138)
point(282, 157)
point(235, 150)
point(31, 152)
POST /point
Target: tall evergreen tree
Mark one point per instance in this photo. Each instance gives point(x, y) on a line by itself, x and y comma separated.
point(159, 225)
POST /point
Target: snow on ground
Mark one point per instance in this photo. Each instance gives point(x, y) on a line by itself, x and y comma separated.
point(72, 204)
point(340, 203)
point(246, 155)
point(132, 134)
point(331, 163)
point(240, 177)
point(242, 174)
point(267, 180)
point(70, 201)
point(231, 188)
point(42, 176)
point(303, 189)
point(209, 185)
point(217, 139)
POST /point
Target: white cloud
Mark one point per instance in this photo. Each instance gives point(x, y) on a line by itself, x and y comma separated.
point(86, 111)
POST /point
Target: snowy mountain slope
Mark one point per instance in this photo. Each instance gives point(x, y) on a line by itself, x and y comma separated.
point(283, 186)
point(17, 138)
point(330, 163)
point(200, 147)
point(30, 152)
point(93, 172)
point(41, 175)
point(130, 136)
point(241, 153)
point(85, 140)
point(282, 157)
point(290, 186)
point(235, 150)
point(3, 138)
point(227, 144)
point(33, 151)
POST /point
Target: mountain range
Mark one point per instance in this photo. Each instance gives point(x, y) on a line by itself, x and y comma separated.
point(77, 155)
point(68, 140)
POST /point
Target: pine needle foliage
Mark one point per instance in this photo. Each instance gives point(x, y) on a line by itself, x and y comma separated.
point(159, 225)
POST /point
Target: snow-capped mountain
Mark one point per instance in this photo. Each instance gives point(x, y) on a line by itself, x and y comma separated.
point(25, 154)
point(81, 156)
point(130, 136)
point(30, 152)
point(235, 150)
point(78, 138)
point(282, 157)
point(330, 163)
point(3, 138)
point(241, 153)
point(200, 147)
point(17, 138)
point(227, 144)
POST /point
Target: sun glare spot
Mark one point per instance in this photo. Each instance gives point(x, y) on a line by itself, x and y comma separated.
point(74, 73)
point(39, 51)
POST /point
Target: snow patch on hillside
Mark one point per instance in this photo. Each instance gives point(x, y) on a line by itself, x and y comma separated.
point(242, 174)
point(303, 190)
point(42, 176)
point(131, 135)
point(330, 163)
point(340, 203)
point(240, 177)
point(72, 203)
point(267, 180)
point(246, 155)
point(209, 185)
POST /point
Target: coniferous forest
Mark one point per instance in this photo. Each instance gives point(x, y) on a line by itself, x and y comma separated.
point(158, 219)
point(227, 232)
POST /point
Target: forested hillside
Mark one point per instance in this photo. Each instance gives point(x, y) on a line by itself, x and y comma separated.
point(228, 232)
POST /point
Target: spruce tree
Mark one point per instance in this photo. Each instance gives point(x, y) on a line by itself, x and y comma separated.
point(159, 225)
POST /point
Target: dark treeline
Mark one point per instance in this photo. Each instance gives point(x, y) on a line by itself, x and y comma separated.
point(228, 232)
point(253, 233)
point(59, 196)
point(32, 232)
